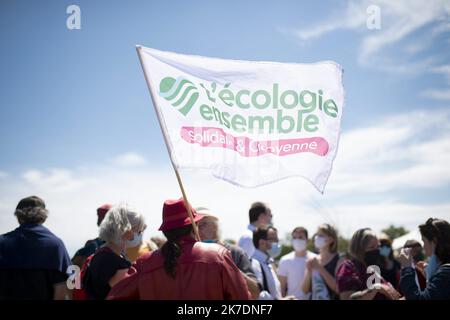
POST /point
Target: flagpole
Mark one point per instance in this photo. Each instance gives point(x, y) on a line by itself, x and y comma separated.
point(188, 207)
point(163, 130)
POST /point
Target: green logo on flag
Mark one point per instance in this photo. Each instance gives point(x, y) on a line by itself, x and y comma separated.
point(179, 92)
point(292, 110)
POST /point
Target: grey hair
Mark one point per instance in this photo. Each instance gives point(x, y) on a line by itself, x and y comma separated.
point(119, 220)
point(137, 220)
point(31, 215)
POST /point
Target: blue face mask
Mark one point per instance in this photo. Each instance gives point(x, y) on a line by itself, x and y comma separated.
point(275, 250)
point(137, 240)
point(433, 265)
point(385, 251)
point(209, 241)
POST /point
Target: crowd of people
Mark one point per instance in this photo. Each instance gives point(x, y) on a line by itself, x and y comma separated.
point(194, 262)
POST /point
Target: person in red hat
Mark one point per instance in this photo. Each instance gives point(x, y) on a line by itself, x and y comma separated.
point(183, 268)
point(91, 245)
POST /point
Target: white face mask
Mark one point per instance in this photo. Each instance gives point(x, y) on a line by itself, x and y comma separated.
point(320, 242)
point(137, 239)
point(299, 244)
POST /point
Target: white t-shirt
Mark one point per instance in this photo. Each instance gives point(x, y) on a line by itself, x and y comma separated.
point(293, 268)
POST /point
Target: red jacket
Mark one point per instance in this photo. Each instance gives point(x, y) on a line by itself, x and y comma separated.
point(203, 272)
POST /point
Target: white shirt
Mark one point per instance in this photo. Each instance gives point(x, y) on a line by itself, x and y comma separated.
point(261, 260)
point(246, 241)
point(293, 268)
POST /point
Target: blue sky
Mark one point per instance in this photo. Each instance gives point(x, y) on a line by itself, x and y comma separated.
point(78, 128)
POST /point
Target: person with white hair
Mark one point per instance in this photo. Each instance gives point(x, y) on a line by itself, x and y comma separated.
point(119, 229)
point(184, 268)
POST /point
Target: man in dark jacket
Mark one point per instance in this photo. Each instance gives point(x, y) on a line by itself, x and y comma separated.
point(33, 261)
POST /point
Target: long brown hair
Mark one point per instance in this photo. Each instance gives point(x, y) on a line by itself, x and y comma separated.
point(439, 231)
point(359, 242)
point(171, 250)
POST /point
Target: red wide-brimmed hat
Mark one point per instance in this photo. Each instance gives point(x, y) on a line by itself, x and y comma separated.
point(175, 215)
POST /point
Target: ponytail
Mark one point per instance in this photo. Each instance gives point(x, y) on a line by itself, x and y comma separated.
point(171, 250)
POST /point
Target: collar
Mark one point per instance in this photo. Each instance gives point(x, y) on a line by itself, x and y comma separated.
point(261, 256)
point(35, 228)
point(29, 226)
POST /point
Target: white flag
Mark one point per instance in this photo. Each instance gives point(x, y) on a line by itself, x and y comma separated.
point(249, 123)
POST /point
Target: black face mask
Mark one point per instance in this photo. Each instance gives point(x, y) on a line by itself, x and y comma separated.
point(372, 257)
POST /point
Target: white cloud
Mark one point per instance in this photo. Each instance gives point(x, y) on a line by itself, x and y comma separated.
point(3, 174)
point(442, 93)
point(353, 16)
point(129, 159)
point(293, 201)
point(59, 180)
point(444, 69)
point(399, 19)
point(407, 153)
point(437, 94)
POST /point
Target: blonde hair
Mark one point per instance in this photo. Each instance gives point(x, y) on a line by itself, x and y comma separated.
point(359, 242)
